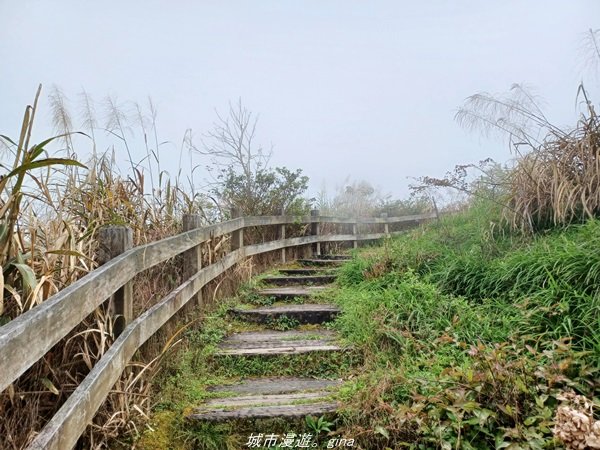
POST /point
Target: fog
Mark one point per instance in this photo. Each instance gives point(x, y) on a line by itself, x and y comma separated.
point(343, 89)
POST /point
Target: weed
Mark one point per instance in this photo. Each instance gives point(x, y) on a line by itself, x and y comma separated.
point(256, 299)
point(318, 425)
point(284, 323)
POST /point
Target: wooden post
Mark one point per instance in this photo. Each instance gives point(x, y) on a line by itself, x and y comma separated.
point(354, 232)
point(315, 231)
point(282, 236)
point(237, 237)
point(386, 227)
point(114, 240)
point(192, 258)
point(435, 208)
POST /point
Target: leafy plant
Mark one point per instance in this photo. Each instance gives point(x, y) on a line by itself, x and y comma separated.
point(318, 425)
point(255, 298)
point(284, 323)
point(17, 272)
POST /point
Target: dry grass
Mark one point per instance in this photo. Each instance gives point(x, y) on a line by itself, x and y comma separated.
point(555, 177)
point(559, 181)
point(555, 180)
point(50, 210)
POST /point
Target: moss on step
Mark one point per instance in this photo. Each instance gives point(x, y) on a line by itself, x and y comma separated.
point(315, 364)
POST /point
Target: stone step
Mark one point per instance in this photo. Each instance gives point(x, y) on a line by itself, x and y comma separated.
point(304, 280)
point(307, 313)
point(278, 343)
point(283, 293)
point(321, 262)
point(271, 397)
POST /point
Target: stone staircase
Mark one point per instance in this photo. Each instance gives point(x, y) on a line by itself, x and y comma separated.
point(296, 298)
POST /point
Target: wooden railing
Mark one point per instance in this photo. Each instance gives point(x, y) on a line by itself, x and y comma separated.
point(27, 338)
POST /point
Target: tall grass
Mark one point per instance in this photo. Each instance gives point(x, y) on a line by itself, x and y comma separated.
point(51, 206)
point(551, 274)
point(559, 182)
point(555, 178)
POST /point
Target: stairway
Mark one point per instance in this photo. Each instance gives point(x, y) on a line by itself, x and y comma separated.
point(297, 300)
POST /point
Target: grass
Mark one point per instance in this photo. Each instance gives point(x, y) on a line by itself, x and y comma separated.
point(469, 336)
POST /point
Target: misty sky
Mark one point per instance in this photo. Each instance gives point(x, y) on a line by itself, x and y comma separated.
point(360, 89)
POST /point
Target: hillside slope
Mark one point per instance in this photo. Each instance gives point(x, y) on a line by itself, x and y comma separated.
point(474, 338)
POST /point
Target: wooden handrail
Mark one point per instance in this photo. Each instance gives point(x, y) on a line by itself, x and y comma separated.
point(26, 339)
point(290, 220)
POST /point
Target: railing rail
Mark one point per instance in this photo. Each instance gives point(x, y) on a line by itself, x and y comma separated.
point(26, 339)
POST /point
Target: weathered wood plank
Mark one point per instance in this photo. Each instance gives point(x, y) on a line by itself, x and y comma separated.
point(303, 313)
point(373, 220)
point(337, 257)
point(278, 220)
point(289, 350)
point(315, 230)
point(273, 345)
point(304, 280)
point(386, 228)
point(192, 258)
point(275, 385)
point(283, 293)
point(321, 262)
point(237, 237)
point(299, 273)
point(281, 236)
point(276, 340)
point(252, 336)
point(113, 241)
point(264, 412)
point(261, 400)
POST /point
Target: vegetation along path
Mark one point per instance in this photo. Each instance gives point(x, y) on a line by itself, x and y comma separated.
point(450, 337)
point(275, 365)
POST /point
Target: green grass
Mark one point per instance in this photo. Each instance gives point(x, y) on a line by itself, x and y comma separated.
point(463, 336)
point(469, 333)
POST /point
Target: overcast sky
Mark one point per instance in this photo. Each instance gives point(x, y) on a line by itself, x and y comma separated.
point(360, 89)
